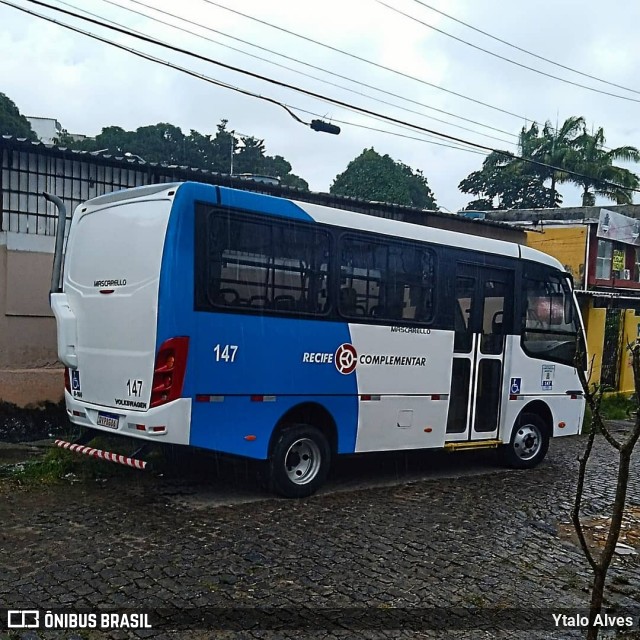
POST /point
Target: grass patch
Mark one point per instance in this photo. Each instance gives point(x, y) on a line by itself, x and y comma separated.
point(618, 406)
point(614, 406)
point(59, 465)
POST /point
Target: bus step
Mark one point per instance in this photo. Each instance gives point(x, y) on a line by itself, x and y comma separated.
point(472, 444)
point(109, 456)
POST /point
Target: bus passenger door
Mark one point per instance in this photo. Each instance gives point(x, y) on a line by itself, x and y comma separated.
point(483, 308)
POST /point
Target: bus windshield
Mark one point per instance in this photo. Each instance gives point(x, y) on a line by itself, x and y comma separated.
point(550, 319)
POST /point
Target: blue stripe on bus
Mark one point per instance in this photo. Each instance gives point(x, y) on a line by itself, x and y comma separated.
point(269, 350)
point(268, 205)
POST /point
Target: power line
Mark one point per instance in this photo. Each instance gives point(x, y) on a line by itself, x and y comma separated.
point(298, 109)
point(327, 99)
point(500, 57)
point(219, 83)
point(306, 64)
point(370, 62)
point(530, 53)
point(146, 56)
point(250, 74)
point(393, 133)
point(333, 84)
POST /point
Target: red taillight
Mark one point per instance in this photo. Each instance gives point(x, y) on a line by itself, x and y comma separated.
point(168, 373)
point(67, 380)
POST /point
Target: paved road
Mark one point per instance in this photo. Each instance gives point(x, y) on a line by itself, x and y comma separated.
point(439, 534)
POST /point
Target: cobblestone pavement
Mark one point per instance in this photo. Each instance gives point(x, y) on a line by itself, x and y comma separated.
point(494, 541)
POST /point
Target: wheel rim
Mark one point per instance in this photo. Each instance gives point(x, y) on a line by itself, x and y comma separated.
point(302, 461)
point(527, 441)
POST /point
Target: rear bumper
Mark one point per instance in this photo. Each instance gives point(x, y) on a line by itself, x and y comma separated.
point(174, 416)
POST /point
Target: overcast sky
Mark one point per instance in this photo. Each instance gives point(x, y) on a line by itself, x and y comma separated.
point(49, 71)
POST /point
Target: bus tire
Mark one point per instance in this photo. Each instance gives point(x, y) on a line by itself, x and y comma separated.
point(529, 442)
point(299, 461)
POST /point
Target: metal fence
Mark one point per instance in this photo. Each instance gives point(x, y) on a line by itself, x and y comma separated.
point(30, 168)
point(26, 174)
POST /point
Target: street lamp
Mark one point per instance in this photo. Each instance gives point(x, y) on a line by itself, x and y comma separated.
point(128, 154)
point(233, 146)
point(324, 127)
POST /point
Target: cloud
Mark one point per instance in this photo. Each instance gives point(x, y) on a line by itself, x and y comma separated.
point(87, 85)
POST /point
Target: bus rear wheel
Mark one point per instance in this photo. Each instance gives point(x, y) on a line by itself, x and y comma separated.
point(529, 442)
point(299, 461)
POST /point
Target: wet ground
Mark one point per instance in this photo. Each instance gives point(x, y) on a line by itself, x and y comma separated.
point(32, 423)
point(422, 545)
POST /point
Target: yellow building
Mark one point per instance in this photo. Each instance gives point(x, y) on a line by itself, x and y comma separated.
point(603, 256)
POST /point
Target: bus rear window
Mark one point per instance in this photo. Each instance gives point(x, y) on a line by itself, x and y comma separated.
point(118, 246)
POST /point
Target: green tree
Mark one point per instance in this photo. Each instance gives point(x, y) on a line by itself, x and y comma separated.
point(223, 144)
point(12, 122)
point(556, 149)
point(278, 166)
point(600, 175)
point(505, 182)
point(374, 177)
point(557, 155)
point(162, 142)
point(250, 156)
point(113, 139)
point(166, 143)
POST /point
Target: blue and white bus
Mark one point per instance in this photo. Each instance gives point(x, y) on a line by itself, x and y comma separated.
point(291, 332)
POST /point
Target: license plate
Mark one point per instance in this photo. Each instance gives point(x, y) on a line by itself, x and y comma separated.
point(110, 420)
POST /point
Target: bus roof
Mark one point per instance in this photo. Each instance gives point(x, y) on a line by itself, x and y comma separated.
point(337, 217)
point(352, 220)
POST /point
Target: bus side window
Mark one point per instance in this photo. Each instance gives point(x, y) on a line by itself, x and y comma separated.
point(462, 314)
point(392, 280)
point(227, 297)
point(260, 264)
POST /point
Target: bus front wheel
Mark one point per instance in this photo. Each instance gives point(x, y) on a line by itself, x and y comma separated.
point(299, 461)
point(529, 442)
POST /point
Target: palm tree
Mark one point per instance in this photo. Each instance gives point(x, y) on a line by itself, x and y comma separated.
point(556, 148)
point(599, 176)
point(550, 147)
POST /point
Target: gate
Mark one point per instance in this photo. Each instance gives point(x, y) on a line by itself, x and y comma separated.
point(610, 373)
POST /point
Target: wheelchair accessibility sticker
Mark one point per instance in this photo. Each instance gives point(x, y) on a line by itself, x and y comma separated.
point(75, 380)
point(516, 384)
point(76, 389)
point(548, 373)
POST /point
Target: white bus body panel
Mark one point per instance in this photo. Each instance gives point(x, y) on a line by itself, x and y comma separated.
point(174, 416)
point(107, 315)
point(405, 404)
point(67, 330)
point(545, 381)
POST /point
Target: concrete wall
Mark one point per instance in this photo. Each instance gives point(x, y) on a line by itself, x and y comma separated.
point(29, 370)
point(562, 213)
